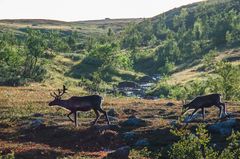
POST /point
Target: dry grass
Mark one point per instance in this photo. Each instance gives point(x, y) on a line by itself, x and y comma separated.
point(59, 138)
point(191, 73)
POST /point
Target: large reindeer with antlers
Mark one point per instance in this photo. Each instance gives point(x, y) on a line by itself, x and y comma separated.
point(77, 103)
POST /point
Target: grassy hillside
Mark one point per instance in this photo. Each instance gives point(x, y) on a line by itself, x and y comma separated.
point(88, 28)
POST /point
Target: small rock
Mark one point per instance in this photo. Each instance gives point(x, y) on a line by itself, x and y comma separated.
point(188, 118)
point(134, 121)
point(106, 136)
point(37, 115)
point(129, 111)
point(120, 153)
point(105, 127)
point(142, 143)
point(223, 128)
point(112, 113)
point(112, 118)
point(169, 104)
point(173, 123)
point(37, 123)
point(129, 135)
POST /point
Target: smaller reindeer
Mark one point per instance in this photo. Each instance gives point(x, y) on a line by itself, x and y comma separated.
point(206, 101)
point(76, 103)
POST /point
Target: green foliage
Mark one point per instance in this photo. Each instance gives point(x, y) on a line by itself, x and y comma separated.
point(179, 21)
point(57, 43)
point(162, 90)
point(167, 68)
point(11, 60)
point(178, 92)
point(186, 33)
point(109, 55)
point(132, 37)
point(36, 46)
point(7, 156)
point(144, 153)
point(168, 51)
point(195, 88)
point(209, 60)
point(226, 80)
point(20, 61)
point(232, 151)
point(197, 145)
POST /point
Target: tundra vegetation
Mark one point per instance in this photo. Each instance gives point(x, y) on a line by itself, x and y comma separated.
point(194, 49)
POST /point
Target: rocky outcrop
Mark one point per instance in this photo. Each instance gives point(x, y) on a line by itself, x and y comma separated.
point(120, 153)
point(223, 128)
point(134, 122)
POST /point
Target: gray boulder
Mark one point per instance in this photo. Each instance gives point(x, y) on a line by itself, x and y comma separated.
point(129, 111)
point(37, 115)
point(142, 143)
point(120, 153)
point(195, 116)
point(37, 123)
point(112, 113)
point(128, 85)
point(129, 135)
point(223, 128)
point(112, 119)
point(134, 121)
point(170, 104)
point(146, 79)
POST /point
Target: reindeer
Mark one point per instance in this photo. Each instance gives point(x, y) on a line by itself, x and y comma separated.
point(77, 103)
point(206, 101)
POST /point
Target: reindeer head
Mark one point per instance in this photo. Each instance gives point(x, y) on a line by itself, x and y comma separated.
point(57, 96)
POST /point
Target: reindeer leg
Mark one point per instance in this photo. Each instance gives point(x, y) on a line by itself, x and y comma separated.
point(224, 109)
point(75, 118)
point(193, 113)
point(70, 117)
point(203, 112)
point(97, 116)
point(220, 110)
point(105, 113)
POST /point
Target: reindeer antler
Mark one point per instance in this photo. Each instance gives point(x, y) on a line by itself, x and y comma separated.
point(60, 92)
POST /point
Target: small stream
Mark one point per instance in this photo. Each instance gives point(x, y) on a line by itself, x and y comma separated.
point(138, 89)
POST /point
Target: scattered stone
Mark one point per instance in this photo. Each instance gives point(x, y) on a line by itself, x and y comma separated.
point(127, 85)
point(173, 123)
point(120, 153)
point(170, 104)
point(134, 121)
point(150, 97)
point(129, 135)
point(142, 143)
point(111, 119)
point(37, 123)
point(105, 127)
point(37, 115)
point(106, 136)
point(146, 79)
point(223, 128)
point(129, 111)
point(112, 113)
point(188, 118)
